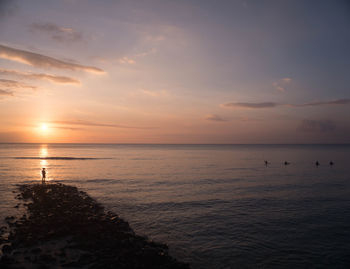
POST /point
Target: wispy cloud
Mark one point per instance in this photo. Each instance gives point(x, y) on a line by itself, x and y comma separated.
point(162, 34)
point(126, 60)
point(40, 76)
point(213, 117)
point(68, 128)
point(11, 87)
point(272, 104)
point(251, 105)
point(43, 61)
point(58, 33)
point(6, 93)
point(97, 124)
point(317, 126)
point(155, 38)
point(146, 53)
point(154, 93)
point(12, 84)
point(281, 84)
point(323, 103)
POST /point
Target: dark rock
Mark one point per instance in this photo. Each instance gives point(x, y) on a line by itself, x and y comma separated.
point(58, 212)
point(35, 250)
point(6, 249)
point(47, 258)
point(6, 259)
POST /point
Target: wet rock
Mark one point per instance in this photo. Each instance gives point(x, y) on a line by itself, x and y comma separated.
point(6, 259)
point(47, 258)
point(6, 249)
point(10, 218)
point(17, 253)
point(96, 239)
point(35, 250)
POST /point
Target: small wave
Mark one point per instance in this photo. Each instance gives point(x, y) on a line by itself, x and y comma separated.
point(103, 181)
point(143, 159)
point(241, 168)
point(83, 181)
point(58, 158)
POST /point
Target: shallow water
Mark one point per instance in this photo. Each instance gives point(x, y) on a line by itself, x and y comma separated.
point(215, 206)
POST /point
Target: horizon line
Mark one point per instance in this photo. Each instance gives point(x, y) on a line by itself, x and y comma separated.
point(179, 144)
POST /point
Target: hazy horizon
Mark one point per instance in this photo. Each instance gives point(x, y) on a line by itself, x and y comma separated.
point(203, 144)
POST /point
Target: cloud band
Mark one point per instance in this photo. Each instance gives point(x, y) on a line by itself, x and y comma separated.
point(43, 61)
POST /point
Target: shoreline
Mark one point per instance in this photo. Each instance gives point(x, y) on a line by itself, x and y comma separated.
point(65, 227)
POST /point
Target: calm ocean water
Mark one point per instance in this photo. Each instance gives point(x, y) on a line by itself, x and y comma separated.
point(216, 206)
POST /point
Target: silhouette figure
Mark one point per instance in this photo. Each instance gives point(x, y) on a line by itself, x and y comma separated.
point(266, 163)
point(286, 163)
point(317, 163)
point(331, 163)
point(43, 175)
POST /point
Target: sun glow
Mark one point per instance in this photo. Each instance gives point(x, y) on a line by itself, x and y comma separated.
point(44, 127)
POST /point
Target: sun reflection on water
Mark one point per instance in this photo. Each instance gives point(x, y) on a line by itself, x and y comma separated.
point(44, 162)
point(43, 151)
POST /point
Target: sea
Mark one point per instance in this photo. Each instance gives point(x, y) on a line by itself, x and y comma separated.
point(215, 206)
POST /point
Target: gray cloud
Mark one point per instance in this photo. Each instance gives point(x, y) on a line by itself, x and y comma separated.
point(29, 75)
point(251, 105)
point(58, 33)
point(39, 60)
point(332, 102)
point(89, 123)
point(319, 126)
point(10, 87)
point(6, 93)
point(214, 117)
point(281, 84)
point(68, 128)
point(12, 84)
point(272, 104)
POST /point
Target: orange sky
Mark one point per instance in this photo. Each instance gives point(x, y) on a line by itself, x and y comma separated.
point(172, 72)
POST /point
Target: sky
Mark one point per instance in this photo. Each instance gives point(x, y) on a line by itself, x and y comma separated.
point(166, 71)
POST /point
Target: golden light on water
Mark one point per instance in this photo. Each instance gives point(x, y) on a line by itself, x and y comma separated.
point(43, 163)
point(43, 151)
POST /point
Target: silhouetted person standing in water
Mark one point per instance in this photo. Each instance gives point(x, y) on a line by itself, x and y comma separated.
point(266, 163)
point(43, 175)
point(317, 163)
point(331, 163)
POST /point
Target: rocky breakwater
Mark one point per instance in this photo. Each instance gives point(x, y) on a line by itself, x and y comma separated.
point(65, 228)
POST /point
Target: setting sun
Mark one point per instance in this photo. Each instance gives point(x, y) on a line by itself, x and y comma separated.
point(44, 127)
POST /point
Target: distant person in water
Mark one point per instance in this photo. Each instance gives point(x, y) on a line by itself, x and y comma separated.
point(286, 163)
point(43, 175)
point(266, 163)
point(317, 163)
point(331, 163)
